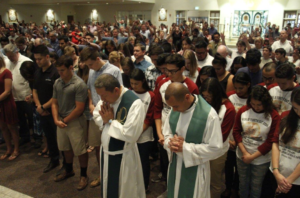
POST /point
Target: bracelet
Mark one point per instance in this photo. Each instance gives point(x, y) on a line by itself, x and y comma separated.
point(275, 168)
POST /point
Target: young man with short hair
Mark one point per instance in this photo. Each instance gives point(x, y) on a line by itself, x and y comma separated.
point(268, 73)
point(68, 102)
point(281, 91)
point(91, 58)
point(63, 41)
point(253, 60)
point(153, 71)
point(139, 53)
point(42, 92)
point(280, 56)
point(201, 50)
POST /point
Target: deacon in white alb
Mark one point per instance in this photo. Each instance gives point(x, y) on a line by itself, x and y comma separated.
point(193, 137)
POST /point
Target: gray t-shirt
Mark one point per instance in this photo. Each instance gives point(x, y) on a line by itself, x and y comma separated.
point(68, 94)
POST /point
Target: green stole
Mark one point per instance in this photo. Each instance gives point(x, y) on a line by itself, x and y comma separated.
point(114, 161)
point(194, 135)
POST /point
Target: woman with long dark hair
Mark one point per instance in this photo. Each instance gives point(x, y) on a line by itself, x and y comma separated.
point(237, 63)
point(141, 89)
point(253, 131)
point(127, 66)
point(285, 151)
point(238, 97)
point(213, 93)
point(225, 77)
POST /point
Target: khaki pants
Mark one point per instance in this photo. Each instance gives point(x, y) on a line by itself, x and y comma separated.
point(73, 136)
point(217, 183)
point(94, 138)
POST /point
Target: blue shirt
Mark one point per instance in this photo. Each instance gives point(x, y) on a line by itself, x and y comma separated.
point(120, 39)
point(93, 75)
point(55, 45)
point(256, 78)
point(143, 65)
point(212, 31)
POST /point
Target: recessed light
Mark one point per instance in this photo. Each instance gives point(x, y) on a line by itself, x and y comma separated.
point(106, 3)
point(88, 2)
point(57, 3)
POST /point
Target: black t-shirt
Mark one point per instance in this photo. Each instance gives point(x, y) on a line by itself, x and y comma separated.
point(43, 83)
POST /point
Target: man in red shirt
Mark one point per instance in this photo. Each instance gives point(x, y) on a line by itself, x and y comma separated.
point(76, 35)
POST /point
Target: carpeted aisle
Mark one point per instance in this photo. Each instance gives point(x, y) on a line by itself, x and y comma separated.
point(25, 175)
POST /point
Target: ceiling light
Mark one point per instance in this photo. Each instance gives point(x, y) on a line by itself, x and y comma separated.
point(106, 3)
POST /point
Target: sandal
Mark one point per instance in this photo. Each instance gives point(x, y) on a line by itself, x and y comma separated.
point(90, 149)
point(4, 156)
point(41, 153)
point(13, 156)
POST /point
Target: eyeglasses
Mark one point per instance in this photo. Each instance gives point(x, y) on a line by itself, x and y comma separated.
point(171, 71)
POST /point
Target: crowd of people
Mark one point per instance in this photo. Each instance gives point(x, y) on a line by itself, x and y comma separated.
point(130, 91)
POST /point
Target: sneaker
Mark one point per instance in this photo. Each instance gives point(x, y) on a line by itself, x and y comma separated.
point(164, 195)
point(95, 183)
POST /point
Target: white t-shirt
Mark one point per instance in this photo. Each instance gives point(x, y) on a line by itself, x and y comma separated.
point(264, 61)
point(20, 86)
point(146, 33)
point(236, 54)
point(147, 58)
point(289, 156)
point(281, 99)
point(193, 78)
point(206, 62)
point(286, 46)
point(229, 63)
point(255, 128)
point(146, 98)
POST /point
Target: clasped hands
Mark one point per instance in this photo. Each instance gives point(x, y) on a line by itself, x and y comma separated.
point(247, 158)
point(176, 144)
point(284, 184)
point(106, 112)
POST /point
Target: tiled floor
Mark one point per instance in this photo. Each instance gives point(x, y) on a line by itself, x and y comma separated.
point(8, 193)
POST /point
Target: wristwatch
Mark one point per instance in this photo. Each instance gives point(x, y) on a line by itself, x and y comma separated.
point(110, 121)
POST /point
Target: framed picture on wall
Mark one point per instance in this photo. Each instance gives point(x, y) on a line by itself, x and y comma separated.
point(94, 16)
point(162, 15)
point(12, 16)
point(50, 16)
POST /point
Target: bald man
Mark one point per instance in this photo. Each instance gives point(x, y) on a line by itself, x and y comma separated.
point(283, 43)
point(193, 137)
point(268, 74)
point(223, 50)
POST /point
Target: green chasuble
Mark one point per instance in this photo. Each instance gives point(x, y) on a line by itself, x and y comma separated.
point(194, 135)
point(114, 161)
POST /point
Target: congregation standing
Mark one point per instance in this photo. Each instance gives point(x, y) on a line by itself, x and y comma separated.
point(131, 91)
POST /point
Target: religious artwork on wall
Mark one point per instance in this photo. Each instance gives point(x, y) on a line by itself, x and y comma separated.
point(12, 16)
point(244, 21)
point(94, 16)
point(50, 16)
point(162, 15)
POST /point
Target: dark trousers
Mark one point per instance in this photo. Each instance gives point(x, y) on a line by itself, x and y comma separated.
point(293, 193)
point(231, 173)
point(25, 118)
point(144, 150)
point(164, 161)
point(269, 186)
point(49, 129)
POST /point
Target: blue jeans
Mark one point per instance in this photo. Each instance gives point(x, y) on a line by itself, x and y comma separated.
point(251, 178)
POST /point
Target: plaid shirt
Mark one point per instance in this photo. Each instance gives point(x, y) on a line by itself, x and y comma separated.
point(151, 75)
